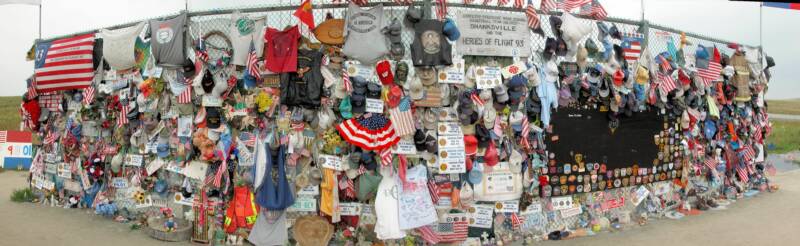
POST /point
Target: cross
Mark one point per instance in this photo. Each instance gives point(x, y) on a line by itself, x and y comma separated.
point(485, 236)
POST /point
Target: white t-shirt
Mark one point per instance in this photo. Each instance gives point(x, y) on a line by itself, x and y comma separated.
point(245, 30)
point(387, 225)
point(415, 204)
point(119, 45)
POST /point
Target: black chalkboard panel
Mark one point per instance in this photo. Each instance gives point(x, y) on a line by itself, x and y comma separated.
point(587, 132)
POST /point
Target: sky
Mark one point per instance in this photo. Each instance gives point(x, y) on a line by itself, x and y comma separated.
point(735, 21)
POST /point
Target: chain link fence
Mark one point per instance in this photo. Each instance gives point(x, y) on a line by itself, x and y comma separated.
point(656, 39)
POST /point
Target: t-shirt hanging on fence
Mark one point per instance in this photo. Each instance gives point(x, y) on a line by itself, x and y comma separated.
point(119, 46)
point(430, 48)
point(364, 40)
point(168, 41)
point(243, 31)
point(280, 50)
point(493, 34)
point(416, 207)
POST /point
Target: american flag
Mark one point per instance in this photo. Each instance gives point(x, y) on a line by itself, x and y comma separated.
point(526, 130)
point(548, 5)
point(3, 136)
point(346, 81)
point(32, 88)
point(441, 9)
point(569, 5)
point(743, 176)
point(667, 82)
point(454, 228)
point(518, 3)
point(662, 60)
point(476, 99)
point(404, 2)
point(428, 234)
point(186, 96)
point(51, 138)
point(598, 12)
point(122, 119)
point(533, 17)
point(252, 63)
point(347, 185)
point(485, 2)
point(711, 162)
point(758, 135)
point(64, 64)
point(433, 189)
point(632, 47)
point(747, 153)
point(386, 157)
point(516, 222)
point(88, 95)
point(711, 73)
point(201, 53)
point(402, 118)
point(502, 2)
point(361, 3)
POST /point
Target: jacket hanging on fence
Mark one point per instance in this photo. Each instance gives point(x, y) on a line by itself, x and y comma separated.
point(242, 210)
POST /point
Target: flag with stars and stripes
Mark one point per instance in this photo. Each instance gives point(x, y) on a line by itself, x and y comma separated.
point(88, 95)
point(516, 222)
point(526, 130)
point(402, 118)
point(32, 88)
point(568, 5)
point(548, 5)
point(711, 73)
point(428, 234)
point(186, 96)
point(518, 3)
point(441, 9)
point(742, 172)
point(64, 64)
point(533, 17)
point(348, 87)
point(404, 2)
point(433, 189)
point(123, 115)
point(502, 2)
point(711, 163)
point(453, 227)
point(252, 63)
point(632, 47)
point(476, 99)
point(386, 156)
point(598, 12)
point(667, 83)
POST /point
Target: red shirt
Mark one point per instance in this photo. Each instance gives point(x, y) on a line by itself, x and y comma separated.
point(280, 49)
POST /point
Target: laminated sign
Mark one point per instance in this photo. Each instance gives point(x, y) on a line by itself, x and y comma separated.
point(493, 34)
point(452, 157)
point(453, 74)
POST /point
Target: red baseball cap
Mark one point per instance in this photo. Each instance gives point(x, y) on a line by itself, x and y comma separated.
point(384, 70)
point(618, 76)
point(394, 96)
point(470, 144)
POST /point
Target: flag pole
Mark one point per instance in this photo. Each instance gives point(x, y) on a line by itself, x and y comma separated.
point(761, 25)
point(40, 21)
point(642, 9)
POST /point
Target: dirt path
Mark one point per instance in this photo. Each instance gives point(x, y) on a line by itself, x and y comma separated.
point(768, 219)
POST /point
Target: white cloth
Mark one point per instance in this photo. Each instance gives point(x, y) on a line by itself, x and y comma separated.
point(119, 45)
point(245, 30)
point(261, 163)
point(387, 225)
point(270, 229)
point(415, 205)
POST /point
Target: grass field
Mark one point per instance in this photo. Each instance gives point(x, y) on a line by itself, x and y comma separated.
point(789, 106)
point(785, 136)
point(9, 113)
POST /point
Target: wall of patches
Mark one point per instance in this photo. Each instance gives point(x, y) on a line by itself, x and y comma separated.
point(460, 123)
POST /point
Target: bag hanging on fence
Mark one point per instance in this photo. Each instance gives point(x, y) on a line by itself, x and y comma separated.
point(271, 195)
